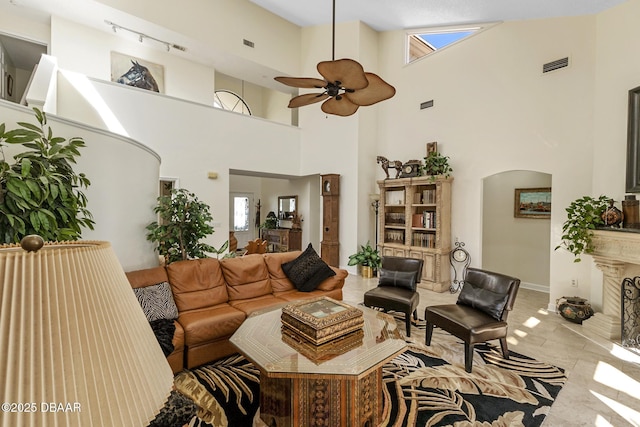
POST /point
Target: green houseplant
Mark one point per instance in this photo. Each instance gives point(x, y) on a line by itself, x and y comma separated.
point(184, 221)
point(436, 164)
point(368, 258)
point(583, 216)
point(40, 193)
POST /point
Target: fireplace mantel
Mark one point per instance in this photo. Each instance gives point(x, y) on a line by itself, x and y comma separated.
point(613, 252)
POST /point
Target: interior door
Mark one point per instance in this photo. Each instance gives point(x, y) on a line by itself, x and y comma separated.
point(241, 217)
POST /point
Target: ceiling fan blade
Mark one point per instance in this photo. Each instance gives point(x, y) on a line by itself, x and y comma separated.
point(378, 90)
point(307, 99)
point(303, 82)
point(348, 72)
point(341, 107)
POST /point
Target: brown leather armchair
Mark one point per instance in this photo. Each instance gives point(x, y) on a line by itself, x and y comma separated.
point(396, 289)
point(480, 314)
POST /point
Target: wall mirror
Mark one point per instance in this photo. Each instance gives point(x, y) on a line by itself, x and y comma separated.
point(287, 207)
point(633, 142)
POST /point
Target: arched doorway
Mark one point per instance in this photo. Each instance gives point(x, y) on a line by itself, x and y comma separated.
point(518, 246)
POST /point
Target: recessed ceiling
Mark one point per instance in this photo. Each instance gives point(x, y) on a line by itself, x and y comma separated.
point(384, 15)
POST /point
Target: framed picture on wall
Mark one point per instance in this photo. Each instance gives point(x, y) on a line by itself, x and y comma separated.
point(532, 203)
point(136, 72)
point(432, 148)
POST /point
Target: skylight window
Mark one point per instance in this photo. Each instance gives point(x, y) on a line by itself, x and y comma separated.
point(423, 43)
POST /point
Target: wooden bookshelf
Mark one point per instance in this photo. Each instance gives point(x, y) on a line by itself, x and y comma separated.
point(415, 222)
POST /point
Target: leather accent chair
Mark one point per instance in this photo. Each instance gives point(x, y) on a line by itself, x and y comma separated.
point(396, 289)
point(480, 314)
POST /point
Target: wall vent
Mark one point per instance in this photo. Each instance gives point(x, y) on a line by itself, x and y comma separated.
point(555, 65)
point(248, 43)
point(426, 104)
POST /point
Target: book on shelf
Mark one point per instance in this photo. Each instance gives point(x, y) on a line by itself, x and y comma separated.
point(429, 196)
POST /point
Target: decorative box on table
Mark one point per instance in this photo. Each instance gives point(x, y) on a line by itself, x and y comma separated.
point(320, 320)
point(323, 352)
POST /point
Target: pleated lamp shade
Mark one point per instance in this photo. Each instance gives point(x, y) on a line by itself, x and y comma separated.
point(75, 347)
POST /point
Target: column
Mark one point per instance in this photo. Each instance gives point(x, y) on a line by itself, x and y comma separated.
point(608, 323)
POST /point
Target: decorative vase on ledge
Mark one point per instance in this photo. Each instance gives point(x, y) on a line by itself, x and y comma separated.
point(574, 309)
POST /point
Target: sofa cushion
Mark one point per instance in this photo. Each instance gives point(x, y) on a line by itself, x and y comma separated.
point(246, 277)
point(307, 270)
point(197, 283)
point(489, 302)
point(157, 302)
point(249, 306)
point(211, 323)
point(279, 281)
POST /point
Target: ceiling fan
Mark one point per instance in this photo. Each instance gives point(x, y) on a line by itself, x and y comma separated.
point(346, 85)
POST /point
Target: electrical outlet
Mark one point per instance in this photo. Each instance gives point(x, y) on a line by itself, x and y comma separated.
point(574, 283)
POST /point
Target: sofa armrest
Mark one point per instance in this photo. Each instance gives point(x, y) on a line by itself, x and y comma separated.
point(334, 282)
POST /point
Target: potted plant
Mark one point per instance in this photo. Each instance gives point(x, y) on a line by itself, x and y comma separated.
point(40, 193)
point(583, 216)
point(184, 221)
point(367, 258)
point(436, 164)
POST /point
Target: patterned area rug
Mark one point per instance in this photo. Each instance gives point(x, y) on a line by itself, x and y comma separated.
point(425, 386)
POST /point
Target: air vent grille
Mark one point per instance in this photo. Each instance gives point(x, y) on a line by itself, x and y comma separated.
point(248, 43)
point(426, 104)
point(555, 65)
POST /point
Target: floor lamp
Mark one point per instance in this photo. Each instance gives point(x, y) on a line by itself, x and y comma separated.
point(375, 203)
point(77, 350)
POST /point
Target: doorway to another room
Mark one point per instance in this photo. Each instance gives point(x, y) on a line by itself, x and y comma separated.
point(241, 218)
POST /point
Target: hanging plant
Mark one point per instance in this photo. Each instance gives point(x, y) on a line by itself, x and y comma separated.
point(583, 216)
point(436, 164)
point(40, 193)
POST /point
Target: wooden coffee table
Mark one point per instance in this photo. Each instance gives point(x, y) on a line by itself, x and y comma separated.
point(305, 385)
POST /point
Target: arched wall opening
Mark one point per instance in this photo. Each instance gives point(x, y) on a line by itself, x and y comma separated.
point(518, 246)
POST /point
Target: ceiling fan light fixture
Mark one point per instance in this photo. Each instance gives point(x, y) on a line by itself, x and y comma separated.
point(345, 83)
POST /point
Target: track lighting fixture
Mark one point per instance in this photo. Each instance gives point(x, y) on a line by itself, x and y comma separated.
point(141, 36)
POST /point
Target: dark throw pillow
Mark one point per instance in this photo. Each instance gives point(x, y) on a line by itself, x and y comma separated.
point(489, 302)
point(308, 270)
point(157, 301)
point(399, 279)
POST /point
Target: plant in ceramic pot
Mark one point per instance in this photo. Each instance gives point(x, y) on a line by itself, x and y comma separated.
point(583, 216)
point(184, 221)
point(40, 193)
point(436, 164)
point(368, 258)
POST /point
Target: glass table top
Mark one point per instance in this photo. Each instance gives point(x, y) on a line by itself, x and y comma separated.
point(260, 339)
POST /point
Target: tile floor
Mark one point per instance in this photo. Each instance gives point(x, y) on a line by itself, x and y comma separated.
point(603, 387)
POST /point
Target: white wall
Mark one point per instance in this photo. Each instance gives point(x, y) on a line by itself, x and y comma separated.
point(192, 139)
point(87, 51)
point(515, 246)
point(124, 184)
point(494, 111)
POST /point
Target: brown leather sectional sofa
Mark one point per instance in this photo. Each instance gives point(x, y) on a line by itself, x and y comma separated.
point(215, 296)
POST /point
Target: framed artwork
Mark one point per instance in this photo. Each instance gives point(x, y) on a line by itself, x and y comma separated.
point(136, 72)
point(432, 147)
point(532, 203)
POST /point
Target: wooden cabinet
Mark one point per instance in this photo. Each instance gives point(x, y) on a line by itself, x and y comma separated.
point(282, 239)
point(415, 222)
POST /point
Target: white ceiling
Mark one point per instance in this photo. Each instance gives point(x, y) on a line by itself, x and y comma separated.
point(383, 15)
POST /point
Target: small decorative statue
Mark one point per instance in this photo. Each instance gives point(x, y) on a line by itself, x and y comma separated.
point(386, 164)
point(296, 223)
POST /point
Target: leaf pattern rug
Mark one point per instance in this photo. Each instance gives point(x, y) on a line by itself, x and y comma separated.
point(425, 386)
